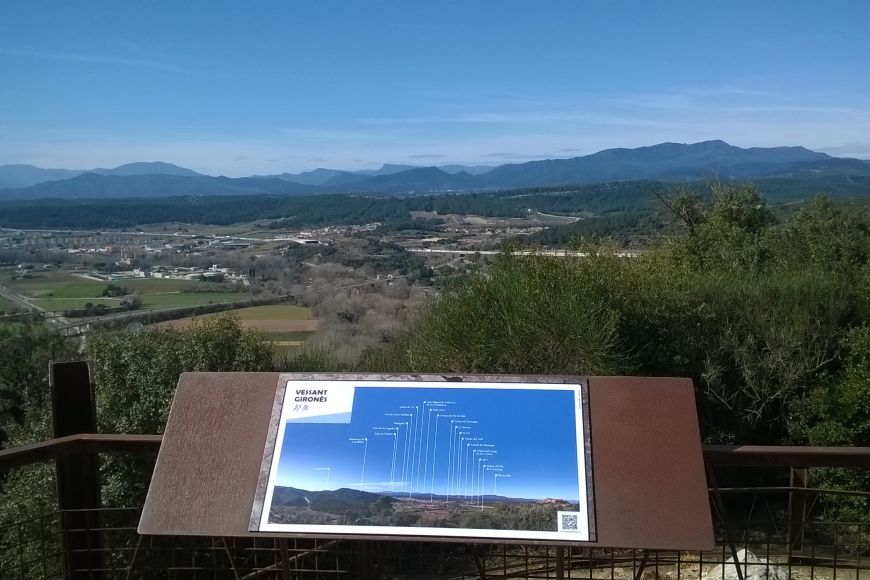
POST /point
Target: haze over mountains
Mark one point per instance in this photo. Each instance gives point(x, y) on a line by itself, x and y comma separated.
point(671, 162)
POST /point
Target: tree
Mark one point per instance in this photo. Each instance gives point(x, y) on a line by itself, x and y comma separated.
point(732, 233)
point(527, 315)
point(823, 235)
point(135, 376)
point(113, 290)
point(837, 413)
point(25, 351)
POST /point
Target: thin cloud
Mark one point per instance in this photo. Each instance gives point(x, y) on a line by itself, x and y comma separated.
point(508, 155)
point(90, 59)
point(799, 109)
point(427, 156)
point(859, 149)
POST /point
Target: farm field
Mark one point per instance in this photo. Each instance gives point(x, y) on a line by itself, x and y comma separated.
point(177, 299)
point(5, 305)
point(283, 320)
point(247, 229)
point(287, 325)
point(54, 284)
point(57, 304)
point(64, 291)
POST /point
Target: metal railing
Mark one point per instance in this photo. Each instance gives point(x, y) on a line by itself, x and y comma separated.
point(785, 530)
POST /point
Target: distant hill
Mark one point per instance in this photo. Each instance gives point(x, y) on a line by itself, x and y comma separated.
point(387, 169)
point(18, 176)
point(315, 177)
point(321, 176)
point(420, 180)
point(96, 186)
point(439, 497)
point(147, 168)
point(665, 162)
point(27, 175)
point(472, 169)
point(345, 179)
point(331, 501)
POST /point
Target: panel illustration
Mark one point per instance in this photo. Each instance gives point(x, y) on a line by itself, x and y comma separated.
point(472, 460)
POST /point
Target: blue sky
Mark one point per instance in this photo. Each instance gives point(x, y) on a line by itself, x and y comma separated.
point(530, 434)
point(237, 88)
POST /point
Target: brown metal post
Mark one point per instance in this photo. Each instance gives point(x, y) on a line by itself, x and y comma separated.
point(797, 509)
point(73, 411)
point(362, 561)
point(719, 508)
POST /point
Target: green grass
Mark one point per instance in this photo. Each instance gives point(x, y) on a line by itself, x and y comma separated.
point(58, 304)
point(158, 285)
point(56, 284)
point(149, 301)
point(285, 350)
point(290, 336)
point(64, 291)
point(275, 312)
point(63, 285)
point(179, 299)
point(270, 319)
point(5, 305)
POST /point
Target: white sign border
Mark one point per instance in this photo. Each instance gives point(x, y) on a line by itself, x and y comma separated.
point(584, 534)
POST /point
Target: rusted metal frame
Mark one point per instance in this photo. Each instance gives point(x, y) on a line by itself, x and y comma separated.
point(73, 411)
point(719, 508)
point(362, 560)
point(286, 573)
point(786, 456)
point(77, 444)
point(792, 488)
point(719, 455)
point(643, 561)
point(230, 558)
point(133, 558)
point(560, 563)
point(478, 553)
point(797, 509)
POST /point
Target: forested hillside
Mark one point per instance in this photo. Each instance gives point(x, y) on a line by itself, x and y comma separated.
point(598, 199)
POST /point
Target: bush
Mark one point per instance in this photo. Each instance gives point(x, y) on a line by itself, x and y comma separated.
point(527, 315)
point(837, 413)
point(135, 374)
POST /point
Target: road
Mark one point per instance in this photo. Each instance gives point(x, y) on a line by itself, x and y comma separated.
point(556, 253)
point(18, 301)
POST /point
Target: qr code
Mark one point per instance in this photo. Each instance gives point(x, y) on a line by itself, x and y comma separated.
point(569, 521)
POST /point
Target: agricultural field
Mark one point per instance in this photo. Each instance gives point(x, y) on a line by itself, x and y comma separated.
point(5, 305)
point(64, 291)
point(288, 326)
point(283, 320)
point(158, 301)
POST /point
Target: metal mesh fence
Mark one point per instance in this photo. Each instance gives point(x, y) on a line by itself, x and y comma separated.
point(764, 538)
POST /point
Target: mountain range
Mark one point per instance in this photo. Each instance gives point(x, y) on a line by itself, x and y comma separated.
point(341, 499)
point(669, 162)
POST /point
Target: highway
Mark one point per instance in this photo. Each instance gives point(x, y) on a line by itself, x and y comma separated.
point(554, 253)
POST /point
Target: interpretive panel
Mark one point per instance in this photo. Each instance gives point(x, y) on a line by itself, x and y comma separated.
point(467, 460)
